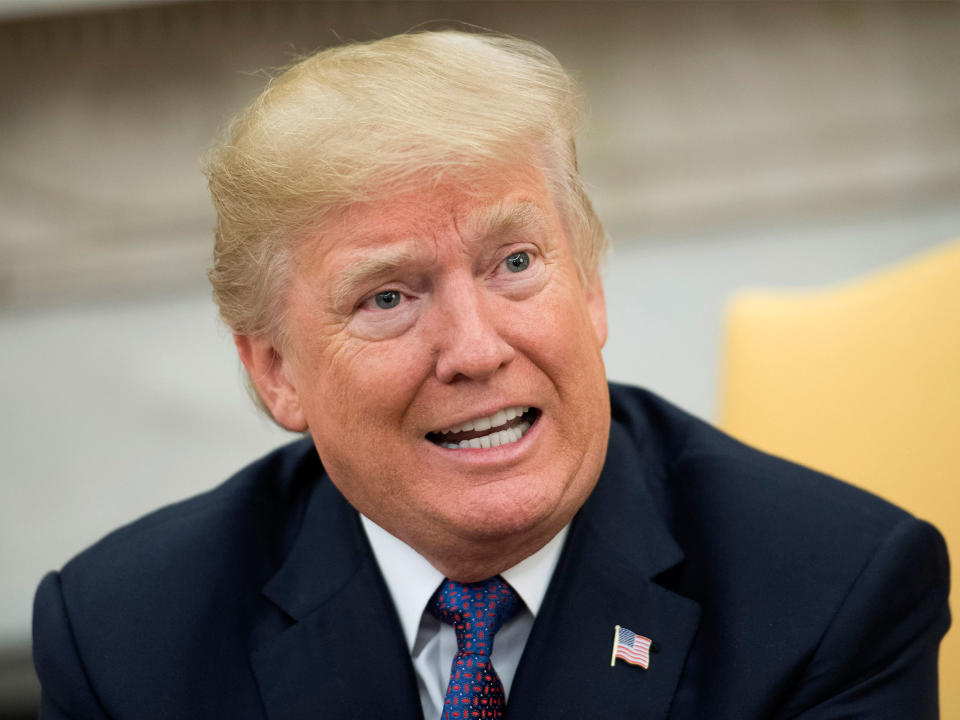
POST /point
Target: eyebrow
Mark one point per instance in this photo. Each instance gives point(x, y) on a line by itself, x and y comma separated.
point(366, 269)
point(505, 217)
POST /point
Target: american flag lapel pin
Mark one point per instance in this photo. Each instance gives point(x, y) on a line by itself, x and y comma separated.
point(629, 646)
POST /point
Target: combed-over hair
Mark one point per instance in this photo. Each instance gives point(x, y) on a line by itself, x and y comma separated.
point(353, 122)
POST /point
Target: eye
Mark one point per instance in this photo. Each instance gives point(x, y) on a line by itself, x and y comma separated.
point(387, 299)
point(517, 262)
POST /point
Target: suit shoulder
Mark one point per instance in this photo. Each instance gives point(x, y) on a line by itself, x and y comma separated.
point(750, 523)
point(177, 594)
point(249, 513)
point(706, 468)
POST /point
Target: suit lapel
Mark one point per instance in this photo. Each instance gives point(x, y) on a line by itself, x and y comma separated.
point(617, 547)
point(345, 655)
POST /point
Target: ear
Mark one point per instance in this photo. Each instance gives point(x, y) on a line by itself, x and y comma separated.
point(597, 307)
point(265, 366)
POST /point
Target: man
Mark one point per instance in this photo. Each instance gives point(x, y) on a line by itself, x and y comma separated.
point(477, 525)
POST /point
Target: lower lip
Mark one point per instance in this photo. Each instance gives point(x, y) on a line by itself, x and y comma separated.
point(493, 455)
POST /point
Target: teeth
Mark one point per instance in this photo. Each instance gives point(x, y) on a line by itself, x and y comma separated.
point(485, 423)
point(494, 439)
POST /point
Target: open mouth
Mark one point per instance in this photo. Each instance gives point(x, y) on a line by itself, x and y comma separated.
point(502, 428)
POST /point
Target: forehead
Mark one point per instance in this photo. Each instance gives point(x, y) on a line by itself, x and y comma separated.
point(423, 202)
point(471, 208)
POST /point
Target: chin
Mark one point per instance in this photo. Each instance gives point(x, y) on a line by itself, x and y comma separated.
point(516, 512)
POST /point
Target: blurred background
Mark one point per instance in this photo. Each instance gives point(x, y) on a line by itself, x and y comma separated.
point(728, 145)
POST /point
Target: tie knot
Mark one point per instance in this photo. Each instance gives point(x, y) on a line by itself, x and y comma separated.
point(476, 611)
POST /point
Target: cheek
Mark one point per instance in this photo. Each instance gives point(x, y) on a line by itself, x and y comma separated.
point(366, 385)
point(558, 330)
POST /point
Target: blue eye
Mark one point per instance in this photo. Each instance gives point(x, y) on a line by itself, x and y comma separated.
point(387, 299)
point(518, 262)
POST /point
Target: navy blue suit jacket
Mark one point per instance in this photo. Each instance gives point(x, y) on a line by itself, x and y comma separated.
point(769, 590)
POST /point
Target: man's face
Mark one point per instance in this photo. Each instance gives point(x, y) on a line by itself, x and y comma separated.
point(431, 323)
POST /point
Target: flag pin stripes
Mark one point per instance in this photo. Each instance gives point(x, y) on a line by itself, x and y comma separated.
point(629, 646)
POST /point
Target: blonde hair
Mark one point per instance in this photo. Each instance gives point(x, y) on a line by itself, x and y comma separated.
point(351, 122)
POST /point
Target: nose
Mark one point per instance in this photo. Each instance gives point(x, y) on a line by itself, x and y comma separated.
point(469, 343)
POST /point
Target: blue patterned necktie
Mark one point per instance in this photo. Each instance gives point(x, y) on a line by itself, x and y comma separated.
point(476, 611)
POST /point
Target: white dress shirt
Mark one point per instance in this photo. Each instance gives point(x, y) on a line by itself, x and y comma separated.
point(412, 580)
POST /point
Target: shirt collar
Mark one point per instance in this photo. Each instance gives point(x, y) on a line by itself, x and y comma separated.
point(412, 580)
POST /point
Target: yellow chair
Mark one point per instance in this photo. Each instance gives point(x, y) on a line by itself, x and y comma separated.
point(862, 381)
